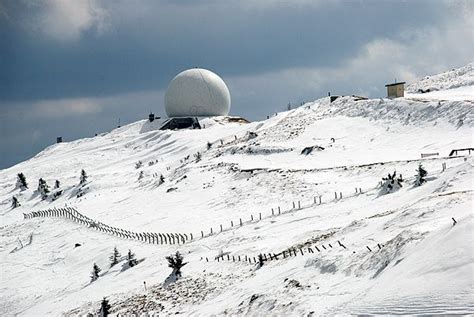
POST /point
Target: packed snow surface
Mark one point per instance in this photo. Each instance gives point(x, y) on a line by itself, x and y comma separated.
point(407, 252)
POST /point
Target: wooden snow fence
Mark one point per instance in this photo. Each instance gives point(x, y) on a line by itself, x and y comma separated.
point(147, 237)
point(287, 253)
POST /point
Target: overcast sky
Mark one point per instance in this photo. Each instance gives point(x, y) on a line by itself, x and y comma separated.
point(72, 68)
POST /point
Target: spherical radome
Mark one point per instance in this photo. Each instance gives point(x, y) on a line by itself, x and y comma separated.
point(197, 93)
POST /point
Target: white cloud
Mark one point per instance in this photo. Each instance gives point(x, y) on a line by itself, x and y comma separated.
point(408, 56)
point(66, 20)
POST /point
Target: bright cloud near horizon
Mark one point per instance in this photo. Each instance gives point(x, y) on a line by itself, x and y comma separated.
point(72, 68)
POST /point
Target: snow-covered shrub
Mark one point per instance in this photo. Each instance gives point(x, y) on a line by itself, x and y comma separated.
point(95, 272)
point(21, 181)
point(391, 183)
point(176, 263)
point(138, 164)
point(209, 145)
point(56, 194)
point(140, 175)
point(57, 184)
point(43, 188)
point(420, 175)
point(15, 202)
point(198, 156)
point(115, 257)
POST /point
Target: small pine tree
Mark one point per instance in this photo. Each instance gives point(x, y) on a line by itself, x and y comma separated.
point(391, 183)
point(209, 145)
point(15, 202)
point(140, 175)
point(420, 176)
point(162, 179)
point(198, 156)
point(21, 181)
point(57, 184)
point(131, 260)
point(260, 260)
point(115, 257)
point(176, 263)
point(104, 308)
point(83, 177)
point(95, 272)
point(43, 188)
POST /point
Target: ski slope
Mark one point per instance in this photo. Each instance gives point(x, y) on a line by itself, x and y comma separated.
point(418, 262)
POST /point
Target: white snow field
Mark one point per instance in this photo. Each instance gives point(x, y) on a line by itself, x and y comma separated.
point(371, 253)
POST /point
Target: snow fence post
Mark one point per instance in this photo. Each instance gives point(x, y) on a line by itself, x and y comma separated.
point(299, 205)
point(335, 195)
point(240, 221)
point(202, 234)
point(221, 228)
point(279, 211)
point(260, 215)
point(340, 195)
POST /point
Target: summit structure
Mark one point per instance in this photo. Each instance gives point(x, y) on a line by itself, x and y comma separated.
point(197, 93)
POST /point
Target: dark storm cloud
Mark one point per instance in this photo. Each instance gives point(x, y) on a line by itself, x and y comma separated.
point(143, 50)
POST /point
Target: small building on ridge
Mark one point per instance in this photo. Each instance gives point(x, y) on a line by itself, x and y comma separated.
point(396, 90)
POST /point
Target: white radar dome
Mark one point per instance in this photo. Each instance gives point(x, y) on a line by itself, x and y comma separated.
point(197, 93)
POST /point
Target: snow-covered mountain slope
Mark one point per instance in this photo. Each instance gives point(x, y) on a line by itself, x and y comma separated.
point(455, 78)
point(378, 253)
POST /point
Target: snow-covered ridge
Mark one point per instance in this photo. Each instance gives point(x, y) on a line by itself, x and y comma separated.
point(459, 77)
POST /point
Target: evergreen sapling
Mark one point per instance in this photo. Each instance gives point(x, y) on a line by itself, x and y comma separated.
point(95, 272)
point(83, 177)
point(115, 257)
point(21, 181)
point(15, 202)
point(131, 260)
point(420, 176)
point(176, 263)
point(43, 188)
point(391, 183)
point(104, 308)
